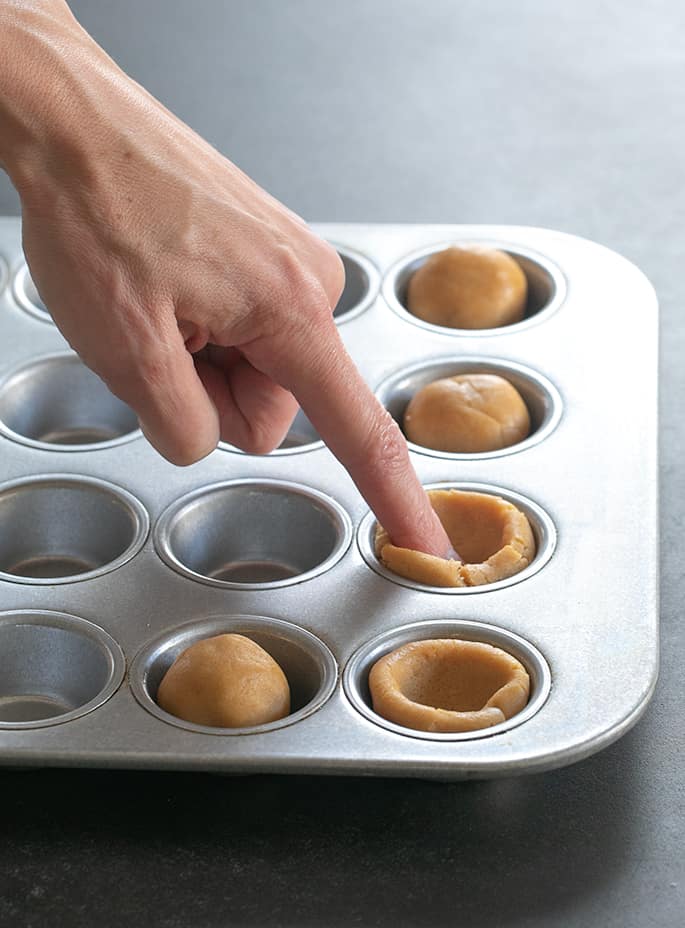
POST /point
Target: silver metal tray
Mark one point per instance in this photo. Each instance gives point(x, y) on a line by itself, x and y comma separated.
point(128, 559)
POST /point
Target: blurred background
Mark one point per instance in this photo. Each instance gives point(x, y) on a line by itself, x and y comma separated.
point(569, 116)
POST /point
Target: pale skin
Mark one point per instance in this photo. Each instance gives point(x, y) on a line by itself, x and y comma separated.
point(199, 299)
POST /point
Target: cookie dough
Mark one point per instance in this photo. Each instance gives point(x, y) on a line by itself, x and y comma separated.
point(467, 413)
point(448, 685)
point(468, 288)
point(227, 681)
point(492, 536)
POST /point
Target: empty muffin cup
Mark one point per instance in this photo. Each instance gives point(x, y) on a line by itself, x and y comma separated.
point(306, 661)
point(546, 286)
point(63, 529)
point(480, 681)
point(27, 295)
point(253, 534)
point(541, 397)
point(56, 403)
point(361, 285)
point(479, 549)
point(302, 436)
point(54, 668)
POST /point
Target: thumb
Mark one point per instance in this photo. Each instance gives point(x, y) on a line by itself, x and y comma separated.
point(175, 412)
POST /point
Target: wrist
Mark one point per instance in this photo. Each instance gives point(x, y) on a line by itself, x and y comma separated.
point(47, 63)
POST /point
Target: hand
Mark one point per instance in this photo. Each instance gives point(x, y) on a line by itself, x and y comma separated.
point(201, 301)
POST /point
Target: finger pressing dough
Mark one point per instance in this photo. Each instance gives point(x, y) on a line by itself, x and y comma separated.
point(493, 538)
point(467, 413)
point(468, 288)
point(447, 685)
point(227, 681)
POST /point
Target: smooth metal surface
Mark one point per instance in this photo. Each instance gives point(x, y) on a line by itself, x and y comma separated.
point(362, 281)
point(356, 675)
point(57, 403)
point(54, 668)
point(27, 296)
point(539, 394)
point(308, 664)
point(253, 534)
point(588, 479)
point(63, 529)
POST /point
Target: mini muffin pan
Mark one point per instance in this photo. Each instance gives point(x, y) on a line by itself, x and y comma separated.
point(112, 561)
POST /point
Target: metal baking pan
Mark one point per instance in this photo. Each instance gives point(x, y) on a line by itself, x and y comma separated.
point(113, 560)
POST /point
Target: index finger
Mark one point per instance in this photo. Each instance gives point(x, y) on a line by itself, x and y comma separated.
point(317, 369)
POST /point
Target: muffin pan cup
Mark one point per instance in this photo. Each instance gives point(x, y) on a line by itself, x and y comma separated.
point(27, 296)
point(279, 547)
point(61, 529)
point(542, 525)
point(306, 661)
point(57, 403)
point(356, 675)
point(546, 285)
point(54, 668)
point(253, 534)
point(538, 393)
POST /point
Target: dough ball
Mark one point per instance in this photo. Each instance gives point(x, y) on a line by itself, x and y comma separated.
point(492, 536)
point(447, 685)
point(227, 681)
point(467, 413)
point(468, 288)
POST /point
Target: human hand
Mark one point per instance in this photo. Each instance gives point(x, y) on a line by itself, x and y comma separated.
point(200, 300)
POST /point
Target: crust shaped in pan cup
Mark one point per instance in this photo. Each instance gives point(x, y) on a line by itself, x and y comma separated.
point(448, 685)
point(493, 537)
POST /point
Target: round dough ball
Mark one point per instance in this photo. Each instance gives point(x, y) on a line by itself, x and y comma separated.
point(468, 288)
point(447, 685)
point(468, 413)
point(227, 681)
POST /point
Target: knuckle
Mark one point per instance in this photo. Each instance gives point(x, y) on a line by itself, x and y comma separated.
point(332, 272)
point(301, 290)
point(259, 437)
point(385, 450)
point(152, 368)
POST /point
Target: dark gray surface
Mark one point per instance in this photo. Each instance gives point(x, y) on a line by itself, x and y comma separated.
point(569, 117)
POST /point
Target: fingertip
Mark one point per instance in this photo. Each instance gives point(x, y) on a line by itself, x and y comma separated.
point(424, 533)
point(180, 447)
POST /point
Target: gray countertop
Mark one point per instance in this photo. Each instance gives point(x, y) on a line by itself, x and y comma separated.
point(566, 116)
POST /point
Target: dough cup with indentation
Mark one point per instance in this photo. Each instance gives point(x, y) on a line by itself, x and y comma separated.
point(493, 538)
point(448, 685)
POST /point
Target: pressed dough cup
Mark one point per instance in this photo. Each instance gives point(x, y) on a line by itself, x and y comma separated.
point(493, 537)
point(468, 288)
point(448, 685)
point(227, 681)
